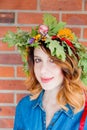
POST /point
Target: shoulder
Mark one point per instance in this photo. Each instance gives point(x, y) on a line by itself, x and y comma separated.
point(71, 113)
point(24, 103)
point(24, 100)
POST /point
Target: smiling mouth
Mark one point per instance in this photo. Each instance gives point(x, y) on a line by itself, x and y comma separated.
point(46, 80)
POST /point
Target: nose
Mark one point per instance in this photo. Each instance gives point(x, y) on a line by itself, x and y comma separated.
point(44, 69)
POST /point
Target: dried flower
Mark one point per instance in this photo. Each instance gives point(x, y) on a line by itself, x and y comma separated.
point(43, 29)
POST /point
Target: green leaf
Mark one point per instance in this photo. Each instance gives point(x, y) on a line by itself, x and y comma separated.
point(69, 50)
point(53, 24)
point(59, 26)
point(20, 38)
point(49, 20)
point(34, 32)
point(84, 79)
point(35, 44)
point(9, 38)
point(56, 49)
point(83, 63)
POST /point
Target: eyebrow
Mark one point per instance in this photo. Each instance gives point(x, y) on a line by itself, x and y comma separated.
point(37, 56)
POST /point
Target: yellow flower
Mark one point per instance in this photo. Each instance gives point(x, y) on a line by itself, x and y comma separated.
point(37, 37)
point(43, 38)
point(66, 33)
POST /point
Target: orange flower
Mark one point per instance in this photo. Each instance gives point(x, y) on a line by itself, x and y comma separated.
point(66, 33)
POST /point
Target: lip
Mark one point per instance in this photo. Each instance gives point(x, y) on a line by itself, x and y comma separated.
point(46, 80)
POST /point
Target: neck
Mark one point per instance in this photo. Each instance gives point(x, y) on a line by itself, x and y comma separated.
point(50, 96)
point(50, 104)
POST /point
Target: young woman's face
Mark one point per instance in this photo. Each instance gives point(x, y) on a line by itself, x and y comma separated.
point(46, 71)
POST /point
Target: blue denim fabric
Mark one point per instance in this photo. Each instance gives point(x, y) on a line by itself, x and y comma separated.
point(31, 116)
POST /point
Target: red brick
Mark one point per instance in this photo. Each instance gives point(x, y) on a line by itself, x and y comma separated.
point(12, 85)
point(67, 5)
point(85, 4)
point(4, 47)
point(6, 123)
point(20, 96)
point(77, 31)
point(7, 17)
point(10, 59)
point(84, 43)
point(4, 30)
point(75, 19)
point(6, 98)
point(85, 33)
point(31, 18)
point(20, 72)
point(7, 111)
point(27, 28)
point(6, 71)
point(18, 4)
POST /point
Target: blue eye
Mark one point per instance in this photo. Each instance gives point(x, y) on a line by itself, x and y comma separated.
point(37, 60)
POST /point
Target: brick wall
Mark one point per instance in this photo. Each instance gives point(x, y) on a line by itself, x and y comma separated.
point(25, 14)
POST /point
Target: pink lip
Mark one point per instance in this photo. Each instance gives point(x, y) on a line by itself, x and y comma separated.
point(46, 80)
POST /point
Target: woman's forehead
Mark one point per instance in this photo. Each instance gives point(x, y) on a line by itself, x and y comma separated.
point(38, 51)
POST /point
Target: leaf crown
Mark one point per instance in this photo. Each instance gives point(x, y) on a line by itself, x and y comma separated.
point(57, 38)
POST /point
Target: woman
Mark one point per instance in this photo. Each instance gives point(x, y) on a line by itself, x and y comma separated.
point(56, 99)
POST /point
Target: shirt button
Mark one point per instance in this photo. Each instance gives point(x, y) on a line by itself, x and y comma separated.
point(44, 122)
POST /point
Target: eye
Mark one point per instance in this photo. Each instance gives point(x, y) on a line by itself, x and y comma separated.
point(37, 60)
point(51, 60)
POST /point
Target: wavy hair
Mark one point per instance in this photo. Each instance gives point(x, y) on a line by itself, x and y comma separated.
point(72, 89)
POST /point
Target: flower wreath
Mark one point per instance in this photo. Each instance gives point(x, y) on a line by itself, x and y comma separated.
point(56, 37)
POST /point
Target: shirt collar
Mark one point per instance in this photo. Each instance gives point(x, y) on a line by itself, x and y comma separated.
point(38, 102)
point(70, 111)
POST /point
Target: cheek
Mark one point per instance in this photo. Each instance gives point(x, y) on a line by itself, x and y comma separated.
point(36, 68)
point(57, 71)
point(36, 71)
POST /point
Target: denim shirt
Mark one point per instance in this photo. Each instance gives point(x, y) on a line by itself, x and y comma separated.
point(30, 115)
